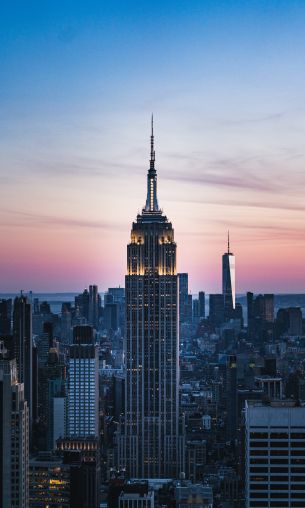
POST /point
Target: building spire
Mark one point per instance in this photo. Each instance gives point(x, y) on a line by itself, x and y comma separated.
point(228, 241)
point(152, 201)
point(152, 147)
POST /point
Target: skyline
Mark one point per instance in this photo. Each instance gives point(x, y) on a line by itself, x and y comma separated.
point(225, 84)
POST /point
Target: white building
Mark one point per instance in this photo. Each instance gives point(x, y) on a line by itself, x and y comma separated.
point(83, 391)
point(275, 454)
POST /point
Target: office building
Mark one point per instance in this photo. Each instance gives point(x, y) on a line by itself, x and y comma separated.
point(152, 445)
point(14, 437)
point(83, 385)
point(94, 302)
point(49, 482)
point(201, 298)
point(23, 344)
point(228, 282)
point(216, 309)
point(136, 495)
point(5, 316)
point(83, 457)
point(275, 454)
point(185, 303)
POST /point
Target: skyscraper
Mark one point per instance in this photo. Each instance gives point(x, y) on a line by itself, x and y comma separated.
point(93, 306)
point(275, 454)
point(23, 343)
point(83, 385)
point(228, 282)
point(14, 437)
point(152, 442)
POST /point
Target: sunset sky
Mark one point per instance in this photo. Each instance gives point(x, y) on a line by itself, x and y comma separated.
point(78, 83)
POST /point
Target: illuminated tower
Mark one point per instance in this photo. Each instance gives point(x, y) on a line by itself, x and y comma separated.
point(228, 282)
point(151, 446)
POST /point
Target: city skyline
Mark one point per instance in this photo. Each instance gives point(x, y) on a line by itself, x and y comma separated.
point(226, 87)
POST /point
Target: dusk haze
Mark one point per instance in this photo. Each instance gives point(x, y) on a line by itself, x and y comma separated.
point(79, 81)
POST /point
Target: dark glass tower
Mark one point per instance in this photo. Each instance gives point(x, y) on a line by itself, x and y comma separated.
point(151, 446)
point(23, 344)
point(228, 282)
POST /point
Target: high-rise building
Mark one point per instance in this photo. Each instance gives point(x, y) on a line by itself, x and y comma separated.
point(260, 315)
point(14, 437)
point(83, 457)
point(5, 316)
point(185, 300)
point(275, 454)
point(152, 445)
point(83, 385)
point(216, 309)
point(228, 282)
point(23, 343)
point(201, 298)
point(82, 304)
point(93, 306)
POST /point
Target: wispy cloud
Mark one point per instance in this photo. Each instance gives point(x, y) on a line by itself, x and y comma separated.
point(26, 219)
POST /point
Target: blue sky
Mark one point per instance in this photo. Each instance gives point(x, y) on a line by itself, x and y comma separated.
point(78, 82)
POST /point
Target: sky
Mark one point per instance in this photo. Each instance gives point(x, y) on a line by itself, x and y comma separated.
point(78, 83)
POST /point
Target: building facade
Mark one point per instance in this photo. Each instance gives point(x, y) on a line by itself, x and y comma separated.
point(83, 386)
point(14, 437)
point(275, 454)
point(23, 344)
point(152, 444)
point(228, 282)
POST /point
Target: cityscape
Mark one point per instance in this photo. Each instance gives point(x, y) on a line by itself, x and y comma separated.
point(150, 396)
point(152, 290)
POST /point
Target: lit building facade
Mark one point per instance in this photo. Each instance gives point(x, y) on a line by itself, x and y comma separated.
point(83, 386)
point(228, 282)
point(152, 444)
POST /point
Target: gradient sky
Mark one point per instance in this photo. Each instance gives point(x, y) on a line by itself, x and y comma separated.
point(78, 82)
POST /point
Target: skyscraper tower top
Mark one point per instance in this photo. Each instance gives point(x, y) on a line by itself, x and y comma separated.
point(229, 250)
point(152, 206)
point(228, 281)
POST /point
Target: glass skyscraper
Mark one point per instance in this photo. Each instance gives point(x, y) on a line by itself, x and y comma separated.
point(152, 443)
point(228, 282)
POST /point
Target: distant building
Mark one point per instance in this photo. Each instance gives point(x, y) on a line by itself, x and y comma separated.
point(201, 298)
point(185, 313)
point(260, 316)
point(136, 495)
point(275, 454)
point(216, 312)
point(83, 385)
point(289, 321)
point(272, 386)
point(228, 283)
point(14, 437)
point(190, 495)
point(196, 316)
point(23, 344)
point(5, 316)
point(82, 304)
point(93, 317)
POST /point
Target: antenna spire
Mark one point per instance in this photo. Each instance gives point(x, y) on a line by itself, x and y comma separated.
point(152, 201)
point(152, 147)
point(228, 241)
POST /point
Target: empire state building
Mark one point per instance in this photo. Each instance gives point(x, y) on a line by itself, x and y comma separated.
point(152, 442)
